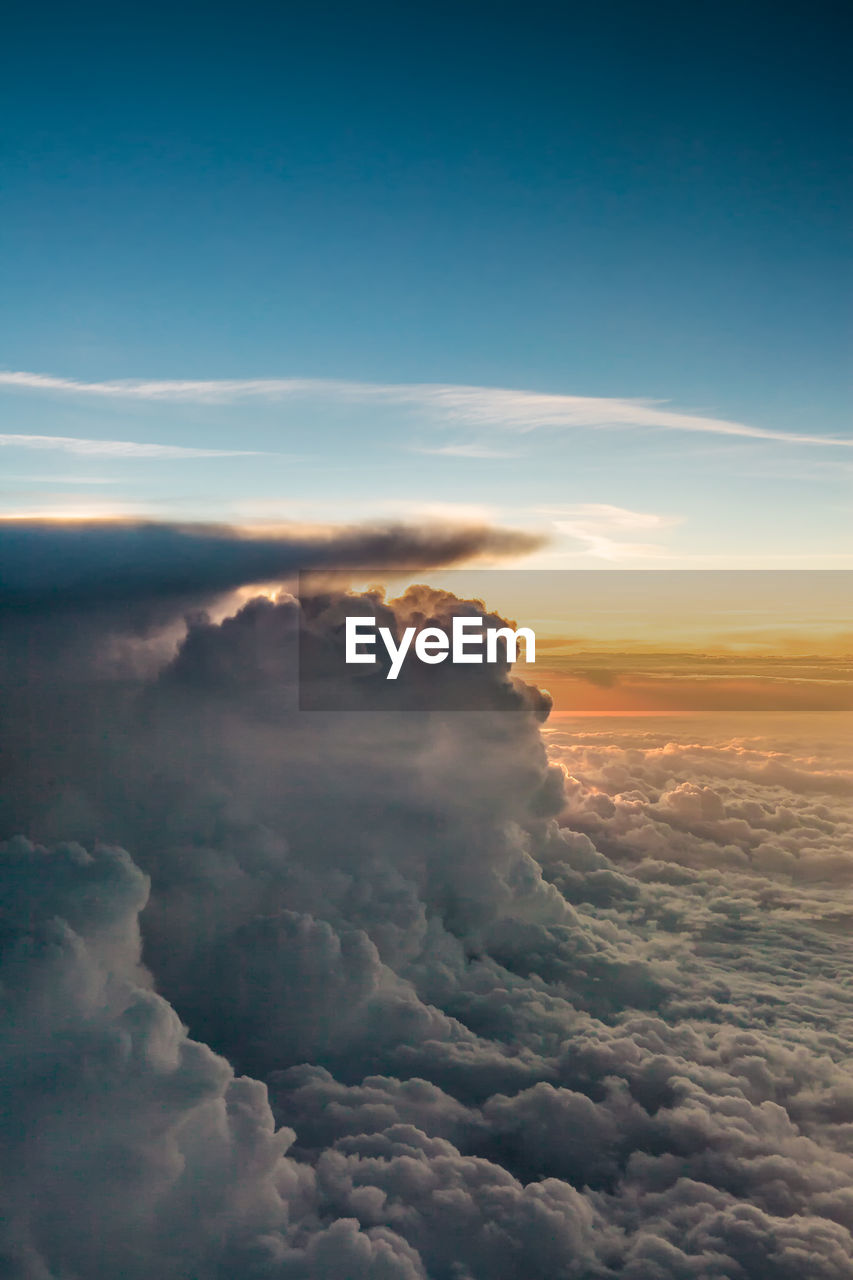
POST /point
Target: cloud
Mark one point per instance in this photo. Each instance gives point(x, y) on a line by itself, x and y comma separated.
point(211, 391)
point(601, 677)
point(594, 524)
point(491, 407)
point(603, 515)
point(513, 1000)
point(47, 562)
point(466, 451)
point(150, 1153)
point(63, 479)
point(118, 448)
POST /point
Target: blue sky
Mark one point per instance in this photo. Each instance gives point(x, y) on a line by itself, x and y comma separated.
point(613, 202)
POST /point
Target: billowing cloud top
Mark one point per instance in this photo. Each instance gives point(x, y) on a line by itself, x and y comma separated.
point(503, 1011)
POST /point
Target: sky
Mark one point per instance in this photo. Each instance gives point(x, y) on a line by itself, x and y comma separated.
point(348, 251)
point(472, 299)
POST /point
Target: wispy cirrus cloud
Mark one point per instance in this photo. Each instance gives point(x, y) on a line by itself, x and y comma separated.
point(472, 450)
point(607, 532)
point(471, 406)
point(117, 448)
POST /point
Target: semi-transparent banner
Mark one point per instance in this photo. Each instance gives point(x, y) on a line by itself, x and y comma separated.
point(585, 642)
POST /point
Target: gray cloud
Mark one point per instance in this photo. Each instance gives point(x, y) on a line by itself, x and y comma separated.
point(512, 1001)
point(48, 562)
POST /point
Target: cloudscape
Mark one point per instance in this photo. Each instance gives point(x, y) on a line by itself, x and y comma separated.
point(419, 323)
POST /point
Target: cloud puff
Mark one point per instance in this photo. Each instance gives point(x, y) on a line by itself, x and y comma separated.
point(515, 1001)
point(113, 1120)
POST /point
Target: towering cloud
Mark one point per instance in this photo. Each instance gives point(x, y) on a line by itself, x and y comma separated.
point(503, 1010)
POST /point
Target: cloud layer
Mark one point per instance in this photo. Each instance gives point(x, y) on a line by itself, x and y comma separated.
point(509, 1001)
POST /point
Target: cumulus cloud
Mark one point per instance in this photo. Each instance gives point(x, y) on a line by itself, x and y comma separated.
point(511, 999)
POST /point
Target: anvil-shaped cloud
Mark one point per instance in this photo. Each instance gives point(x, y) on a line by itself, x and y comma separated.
point(44, 563)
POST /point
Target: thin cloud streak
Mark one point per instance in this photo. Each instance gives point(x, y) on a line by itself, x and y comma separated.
point(117, 448)
point(465, 451)
point(594, 524)
point(494, 407)
point(602, 514)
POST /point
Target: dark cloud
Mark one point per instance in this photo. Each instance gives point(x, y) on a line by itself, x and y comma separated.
point(601, 677)
point(50, 563)
point(505, 1010)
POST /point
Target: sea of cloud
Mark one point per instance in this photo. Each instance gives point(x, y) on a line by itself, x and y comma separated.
point(390, 996)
